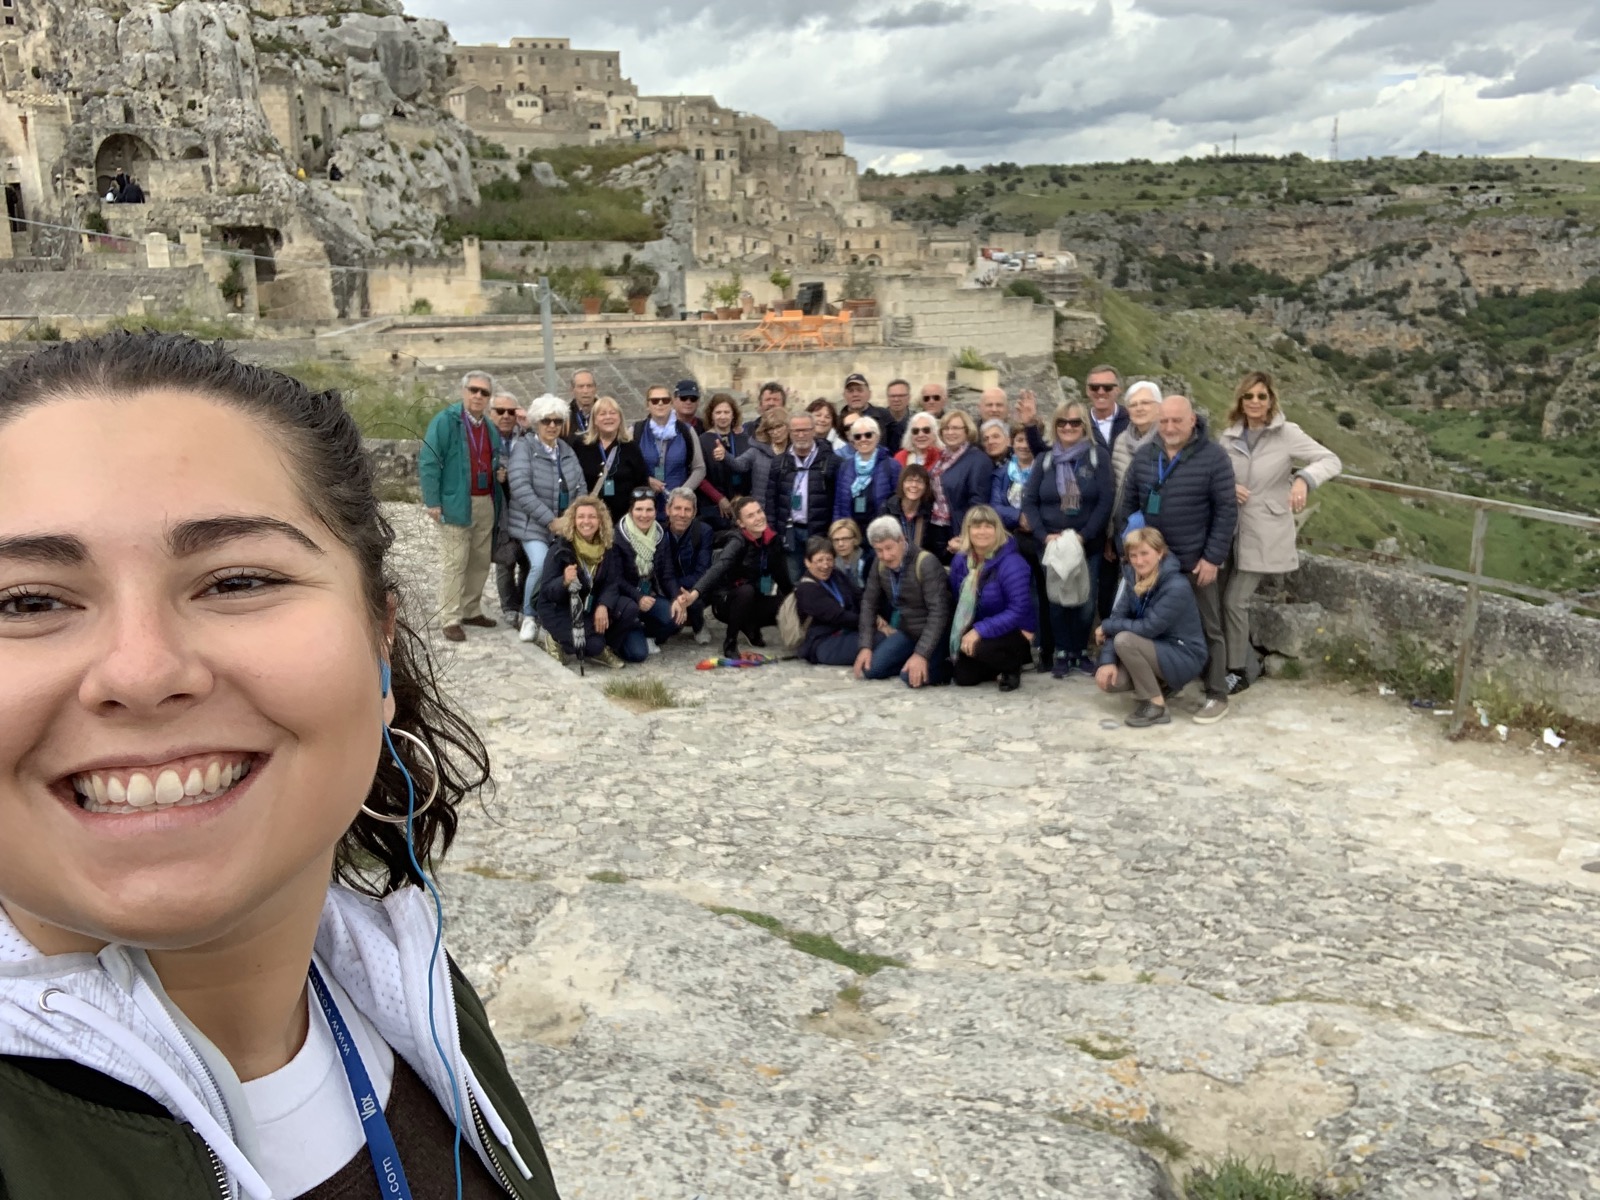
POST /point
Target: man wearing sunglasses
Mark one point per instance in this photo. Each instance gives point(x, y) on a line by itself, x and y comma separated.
point(1103, 388)
point(457, 465)
point(934, 399)
point(670, 447)
point(510, 560)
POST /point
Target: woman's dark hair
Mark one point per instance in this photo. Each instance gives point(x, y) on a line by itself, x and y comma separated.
point(740, 503)
point(915, 471)
point(335, 479)
point(833, 412)
point(815, 545)
point(711, 407)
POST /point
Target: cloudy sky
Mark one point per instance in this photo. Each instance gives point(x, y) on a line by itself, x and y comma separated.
point(920, 83)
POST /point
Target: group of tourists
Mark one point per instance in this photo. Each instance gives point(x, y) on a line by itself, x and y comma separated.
point(1114, 539)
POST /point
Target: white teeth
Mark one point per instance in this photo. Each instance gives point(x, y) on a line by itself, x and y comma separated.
point(169, 788)
point(213, 777)
point(97, 788)
point(115, 792)
point(141, 792)
point(195, 784)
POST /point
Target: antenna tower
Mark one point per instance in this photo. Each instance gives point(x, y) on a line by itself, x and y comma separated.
point(1333, 154)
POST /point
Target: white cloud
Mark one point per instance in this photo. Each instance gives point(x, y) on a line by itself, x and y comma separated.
point(926, 82)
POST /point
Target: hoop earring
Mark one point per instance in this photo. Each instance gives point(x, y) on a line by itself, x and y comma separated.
point(433, 769)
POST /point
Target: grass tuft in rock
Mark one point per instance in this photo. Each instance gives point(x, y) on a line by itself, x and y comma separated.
point(1106, 1049)
point(819, 945)
point(608, 877)
point(850, 995)
point(1146, 1135)
point(1236, 1178)
point(643, 694)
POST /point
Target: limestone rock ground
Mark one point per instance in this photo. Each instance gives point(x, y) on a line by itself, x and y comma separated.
point(1316, 932)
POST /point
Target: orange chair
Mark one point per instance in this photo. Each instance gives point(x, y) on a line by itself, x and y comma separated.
point(838, 331)
point(813, 330)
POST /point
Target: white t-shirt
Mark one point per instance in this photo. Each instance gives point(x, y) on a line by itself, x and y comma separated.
point(1104, 426)
point(305, 1115)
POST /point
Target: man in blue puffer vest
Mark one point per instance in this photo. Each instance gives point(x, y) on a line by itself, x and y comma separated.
point(1182, 484)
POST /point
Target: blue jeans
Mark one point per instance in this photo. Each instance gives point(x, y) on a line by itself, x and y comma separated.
point(657, 624)
point(892, 654)
point(537, 552)
point(1070, 627)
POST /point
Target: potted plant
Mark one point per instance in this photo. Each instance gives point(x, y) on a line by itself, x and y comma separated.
point(642, 281)
point(727, 294)
point(783, 281)
point(592, 290)
point(860, 292)
point(974, 371)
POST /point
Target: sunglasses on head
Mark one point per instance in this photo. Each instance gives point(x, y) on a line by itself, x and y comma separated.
point(477, 391)
point(1102, 387)
point(1070, 422)
point(643, 493)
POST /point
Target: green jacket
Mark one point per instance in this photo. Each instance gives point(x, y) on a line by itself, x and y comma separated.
point(67, 1131)
point(444, 467)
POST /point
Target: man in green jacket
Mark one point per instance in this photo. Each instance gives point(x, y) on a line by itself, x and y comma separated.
point(457, 467)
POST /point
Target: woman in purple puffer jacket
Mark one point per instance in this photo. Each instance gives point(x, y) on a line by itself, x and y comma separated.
point(992, 633)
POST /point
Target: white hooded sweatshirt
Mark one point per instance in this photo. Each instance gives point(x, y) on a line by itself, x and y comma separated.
point(108, 1011)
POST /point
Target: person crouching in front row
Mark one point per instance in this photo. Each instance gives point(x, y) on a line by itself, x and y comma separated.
point(992, 632)
point(1153, 642)
point(647, 566)
point(748, 579)
point(831, 603)
point(905, 610)
point(585, 555)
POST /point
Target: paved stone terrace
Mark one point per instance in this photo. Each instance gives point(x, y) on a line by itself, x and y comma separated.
point(1316, 932)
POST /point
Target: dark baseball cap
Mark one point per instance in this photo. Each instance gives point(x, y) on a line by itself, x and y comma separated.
point(857, 377)
point(687, 387)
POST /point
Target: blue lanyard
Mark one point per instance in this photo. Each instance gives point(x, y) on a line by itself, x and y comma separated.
point(380, 1142)
point(838, 596)
point(1166, 466)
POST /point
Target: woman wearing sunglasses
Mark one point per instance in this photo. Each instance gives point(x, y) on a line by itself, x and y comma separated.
point(867, 478)
point(1069, 495)
point(1263, 447)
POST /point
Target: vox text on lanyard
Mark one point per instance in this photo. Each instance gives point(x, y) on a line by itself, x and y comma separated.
point(380, 1141)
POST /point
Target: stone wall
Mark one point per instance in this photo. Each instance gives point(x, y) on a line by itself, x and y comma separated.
point(985, 318)
point(394, 461)
point(816, 373)
point(1539, 654)
point(529, 257)
point(448, 286)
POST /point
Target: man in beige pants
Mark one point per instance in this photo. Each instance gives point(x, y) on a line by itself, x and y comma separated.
point(460, 455)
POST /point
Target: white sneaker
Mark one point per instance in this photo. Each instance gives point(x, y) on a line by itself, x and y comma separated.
point(530, 629)
point(703, 637)
point(653, 648)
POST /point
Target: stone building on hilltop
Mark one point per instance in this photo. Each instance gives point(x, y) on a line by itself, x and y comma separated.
point(765, 196)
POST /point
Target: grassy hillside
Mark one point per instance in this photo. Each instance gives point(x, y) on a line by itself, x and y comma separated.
point(1208, 351)
point(521, 210)
point(1009, 196)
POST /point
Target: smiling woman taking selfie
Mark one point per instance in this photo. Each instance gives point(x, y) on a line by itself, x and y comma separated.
point(220, 973)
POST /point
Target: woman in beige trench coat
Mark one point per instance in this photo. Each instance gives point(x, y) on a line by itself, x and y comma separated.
point(1263, 447)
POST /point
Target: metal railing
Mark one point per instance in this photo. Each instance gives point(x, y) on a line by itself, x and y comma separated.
point(1473, 576)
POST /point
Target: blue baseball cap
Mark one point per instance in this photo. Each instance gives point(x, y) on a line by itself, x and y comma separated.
point(687, 388)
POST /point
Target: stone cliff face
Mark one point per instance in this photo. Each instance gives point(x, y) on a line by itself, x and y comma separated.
point(1375, 287)
point(217, 108)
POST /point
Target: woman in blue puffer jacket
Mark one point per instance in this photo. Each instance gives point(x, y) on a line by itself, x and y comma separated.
point(992, 633)
point(1153, 642)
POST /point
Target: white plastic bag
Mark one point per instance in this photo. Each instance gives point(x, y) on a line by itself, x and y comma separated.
point(1066, 572)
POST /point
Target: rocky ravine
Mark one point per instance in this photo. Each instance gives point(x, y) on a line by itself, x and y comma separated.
point(1316, 933)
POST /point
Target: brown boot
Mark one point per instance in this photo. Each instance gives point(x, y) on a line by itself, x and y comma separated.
point(481, 621)
point(454, 633)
